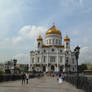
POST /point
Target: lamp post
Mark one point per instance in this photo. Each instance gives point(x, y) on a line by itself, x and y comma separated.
point(68, 68)
point(8, 66)
point(27, 67)
point(8, 63)
point(77, 52)
point(15, 61)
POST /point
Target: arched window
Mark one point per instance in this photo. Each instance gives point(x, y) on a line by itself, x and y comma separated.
point(38, 59)
point(53, 50)
point(60, 59)
point(67, 45)
point(38, 44)
point(52, 68)
point(56, 41)
point(49, 41)
point(60, 51)
point(44, 50)
point(32, 60)
point(44, 68)
point(44, 58)
point(53, 41)
point(52, 58)
point(73, 60)
point(59, 41)
point(66, 59)
point(73, 68)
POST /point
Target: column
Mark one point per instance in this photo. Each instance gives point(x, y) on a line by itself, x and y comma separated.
point(57, 62)
point(64, 61)
point(47, 62)
point(41, 62)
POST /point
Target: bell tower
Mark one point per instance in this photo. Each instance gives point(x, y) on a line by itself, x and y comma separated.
point(39, 42)
point(67, 43)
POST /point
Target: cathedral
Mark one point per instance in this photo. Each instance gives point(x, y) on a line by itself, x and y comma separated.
point(53, 54)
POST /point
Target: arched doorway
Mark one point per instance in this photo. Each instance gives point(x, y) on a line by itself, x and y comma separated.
point(61, 68)
point(44, 68)
point(52, 68)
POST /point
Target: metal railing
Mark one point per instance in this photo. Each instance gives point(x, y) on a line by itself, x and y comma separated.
point(8, 77)
point(81, 82)
point(14, 77)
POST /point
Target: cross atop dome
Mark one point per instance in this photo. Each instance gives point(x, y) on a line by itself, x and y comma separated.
point(53, 23)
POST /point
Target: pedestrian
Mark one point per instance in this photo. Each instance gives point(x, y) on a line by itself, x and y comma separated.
point(27, 77)
point(59, 79)
point(23, 78)
point(63, 76)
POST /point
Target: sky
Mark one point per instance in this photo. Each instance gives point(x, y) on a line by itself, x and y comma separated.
point(22, 21)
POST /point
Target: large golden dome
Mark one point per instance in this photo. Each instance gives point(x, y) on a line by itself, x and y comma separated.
point(53, 30)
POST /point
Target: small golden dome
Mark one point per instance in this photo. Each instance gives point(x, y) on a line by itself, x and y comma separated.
point(39, 38)
point(53, 30)
point(66, 38)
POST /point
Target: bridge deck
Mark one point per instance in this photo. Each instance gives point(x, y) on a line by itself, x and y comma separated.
point(44, 84)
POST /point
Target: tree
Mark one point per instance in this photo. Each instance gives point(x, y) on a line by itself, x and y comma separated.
point(1, 72)
point(82, 67)
point(15, 62)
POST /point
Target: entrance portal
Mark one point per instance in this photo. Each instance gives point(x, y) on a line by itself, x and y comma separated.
point(44, 68)
point(52, 67)
point(61, 68)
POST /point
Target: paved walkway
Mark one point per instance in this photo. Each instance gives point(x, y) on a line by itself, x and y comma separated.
point(45, 84)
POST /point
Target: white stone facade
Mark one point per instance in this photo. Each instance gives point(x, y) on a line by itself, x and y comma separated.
point(53, 55)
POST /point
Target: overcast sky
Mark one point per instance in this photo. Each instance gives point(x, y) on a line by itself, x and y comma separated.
point(21, 21)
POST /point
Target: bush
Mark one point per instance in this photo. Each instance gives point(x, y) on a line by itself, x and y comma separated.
point(1, 73)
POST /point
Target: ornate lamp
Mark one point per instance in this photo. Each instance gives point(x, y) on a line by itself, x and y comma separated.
point(77, 52)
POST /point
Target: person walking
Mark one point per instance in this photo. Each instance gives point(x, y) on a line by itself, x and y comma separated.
point(63, 76)
point(27, 77)
point(23, 78)
point(59, 79)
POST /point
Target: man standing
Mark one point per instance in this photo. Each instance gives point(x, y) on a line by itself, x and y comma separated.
point(27, 77)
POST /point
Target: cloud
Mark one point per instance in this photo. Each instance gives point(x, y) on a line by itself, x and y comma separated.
point(18, 43)
point(71, 3)
point(89, 10)
point(81, 2)
point(17, 40)
point(32, 31)
point(75, 32)
point(25, 33)
point(83, 50)
point(22, 58)
point(85, 55)
point(4, 43)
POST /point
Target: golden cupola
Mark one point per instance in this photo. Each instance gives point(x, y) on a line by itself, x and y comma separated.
point(39, 38)
point(53, 30)
point(66, 38)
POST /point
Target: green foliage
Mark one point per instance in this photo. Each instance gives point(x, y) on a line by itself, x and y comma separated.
point(1, 72)
point(82, 67)
point(25, 69)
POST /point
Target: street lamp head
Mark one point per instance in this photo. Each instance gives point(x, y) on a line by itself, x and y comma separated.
point(77, 48)
point(15, 61)
point(77, 51)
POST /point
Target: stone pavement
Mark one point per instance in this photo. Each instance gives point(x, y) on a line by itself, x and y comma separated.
point(44, 84)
